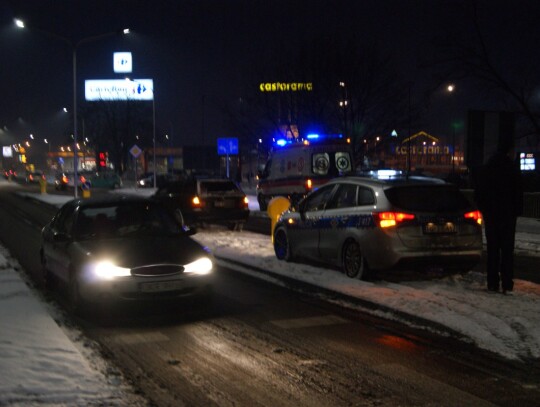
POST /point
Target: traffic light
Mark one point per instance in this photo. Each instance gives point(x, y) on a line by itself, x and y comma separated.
point(102, 159)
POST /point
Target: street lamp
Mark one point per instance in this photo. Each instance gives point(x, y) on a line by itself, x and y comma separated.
point(74, 46)
point(451, 88)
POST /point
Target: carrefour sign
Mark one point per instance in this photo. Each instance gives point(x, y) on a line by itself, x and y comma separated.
point(118, 89)
point(122, 62)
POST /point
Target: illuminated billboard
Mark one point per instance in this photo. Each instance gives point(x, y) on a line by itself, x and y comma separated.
point(286, 87)
point(122, 62)
point(118, 89)
point(527, 162)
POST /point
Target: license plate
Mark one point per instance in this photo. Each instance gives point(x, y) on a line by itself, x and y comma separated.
point(160, 286)
point(227, 203)
point(434, 228)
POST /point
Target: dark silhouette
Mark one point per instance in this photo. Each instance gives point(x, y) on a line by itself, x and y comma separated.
point(499, 196)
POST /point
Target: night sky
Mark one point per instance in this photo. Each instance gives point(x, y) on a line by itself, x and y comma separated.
point(202, 54)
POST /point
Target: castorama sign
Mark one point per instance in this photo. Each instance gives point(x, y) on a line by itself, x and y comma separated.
point(118, 89)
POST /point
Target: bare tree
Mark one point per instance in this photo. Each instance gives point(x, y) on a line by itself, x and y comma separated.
point(493, 43)
point(114, 126)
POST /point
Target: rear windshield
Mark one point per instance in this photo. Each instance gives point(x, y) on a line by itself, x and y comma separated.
point(428, 198)
point(218, 186)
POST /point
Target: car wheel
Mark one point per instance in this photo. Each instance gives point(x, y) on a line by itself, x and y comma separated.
point(238, 226)
point(354, 264)
point(282, 247)
point(263, 204)
point(179, 217)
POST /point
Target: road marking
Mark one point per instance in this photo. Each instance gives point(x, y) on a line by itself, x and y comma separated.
point(309, 322)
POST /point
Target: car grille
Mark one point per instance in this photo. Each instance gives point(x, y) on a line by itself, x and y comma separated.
point(157, 270)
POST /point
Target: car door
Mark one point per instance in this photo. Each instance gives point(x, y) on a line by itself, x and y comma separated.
point(347, 215)
point(304, 236)
point(61, 238)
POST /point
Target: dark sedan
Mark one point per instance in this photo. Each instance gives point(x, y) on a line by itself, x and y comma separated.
point(122, 248)
point(206, 200)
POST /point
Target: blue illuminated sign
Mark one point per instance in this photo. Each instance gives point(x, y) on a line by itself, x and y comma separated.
point(227, 146)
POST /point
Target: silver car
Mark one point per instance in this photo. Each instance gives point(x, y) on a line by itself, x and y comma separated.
point(363, 224)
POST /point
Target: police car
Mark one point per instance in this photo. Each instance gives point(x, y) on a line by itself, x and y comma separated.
point(362, 224)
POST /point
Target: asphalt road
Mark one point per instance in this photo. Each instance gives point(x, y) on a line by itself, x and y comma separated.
point(260, 344)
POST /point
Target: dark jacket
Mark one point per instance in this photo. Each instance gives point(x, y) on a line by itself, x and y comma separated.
point(499, 188)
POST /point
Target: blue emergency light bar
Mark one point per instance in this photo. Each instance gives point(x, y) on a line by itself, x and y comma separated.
point(312, 137)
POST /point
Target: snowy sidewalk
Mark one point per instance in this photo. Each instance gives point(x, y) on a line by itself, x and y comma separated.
point(40, 364)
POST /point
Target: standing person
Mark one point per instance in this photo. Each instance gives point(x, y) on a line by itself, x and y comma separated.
point(499, 196)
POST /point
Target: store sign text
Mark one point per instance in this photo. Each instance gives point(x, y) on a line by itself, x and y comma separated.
point(286, 86)
point(424, 150)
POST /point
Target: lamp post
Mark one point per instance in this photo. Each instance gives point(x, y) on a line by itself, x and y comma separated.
point(74, 46)
point(451, 88)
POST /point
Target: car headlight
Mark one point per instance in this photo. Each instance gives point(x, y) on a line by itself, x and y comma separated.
point(108, 270)
point(201, 266)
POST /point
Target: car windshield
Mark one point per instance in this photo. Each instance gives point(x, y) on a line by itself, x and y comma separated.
point(427, 198)
point(123, 220)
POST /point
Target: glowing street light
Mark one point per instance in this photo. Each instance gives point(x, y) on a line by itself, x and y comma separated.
point(74, 46)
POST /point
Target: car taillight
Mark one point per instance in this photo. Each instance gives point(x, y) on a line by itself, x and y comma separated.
point(245, 202)
point(474, 215)
point(196, 202)
point(389, 219)
point(309, 184)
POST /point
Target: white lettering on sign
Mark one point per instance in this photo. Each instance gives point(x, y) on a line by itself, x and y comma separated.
point(119, 89)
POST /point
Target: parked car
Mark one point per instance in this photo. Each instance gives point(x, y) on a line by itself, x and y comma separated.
point(147, 180)
point(206, 200)
point(122, 247)
point(362, 224)
point(10, 174)
point(63, 180)
point(33, 177)
point(106, 179)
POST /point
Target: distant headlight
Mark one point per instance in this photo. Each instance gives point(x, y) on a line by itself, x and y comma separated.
point(107, 270)
point(201, 266)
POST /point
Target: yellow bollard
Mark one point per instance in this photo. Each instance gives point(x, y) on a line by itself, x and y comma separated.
point(43, 184)
point(85, 187)
point(276, 207)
